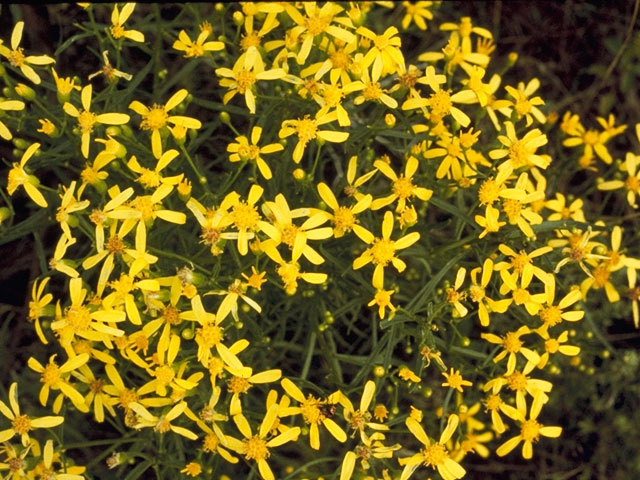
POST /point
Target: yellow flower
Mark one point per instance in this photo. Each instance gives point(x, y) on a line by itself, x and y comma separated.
point(290, 272)
point(521, 153)
point(371, 90)
point(18, 177)
point(22, 424)
point(520, 293)
point(243, 379)
point(382, 299)
point(530, 430)
point(434, 455)
point(455, 380)
point(55, 377)
point(360, 418)
point(192, 469)
point(385, 53)
point(521, 383)
point(555, 345)
point(38, 304)
point(229, 303)
point(512, 345)
point(314, 412)
point(109, 71)
point(68, 205)
point(564, 212)
point(403, 188)
point(477, 293)
point(525, 106)
point(408, 375)
point(248, 69)
point(243, 151)
point(152, 178)
point(417, 12)
point(307, 129)
point(162, 424)
point(118, 18)
point(197, 48)
point(64, 86)
point(96, 394)
point(454, 297)
point(383, 250)
point(157, 117)
point(344, 218)
point(5, 106)
point(87, 119)
point(318, 21)
point(47, 127)
point(256, 447)
point(17, 58)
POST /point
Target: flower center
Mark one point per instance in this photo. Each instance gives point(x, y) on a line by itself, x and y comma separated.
point(51, 374)
point(289, 235)
point(171, 315)
point(78, 317)
point(255, 448)
point(551, 316)
point(16, 464)
point(117, 31)
point(512, 343)
point(239, 385)
point(434, 455)
point(210, 335)
point(517, 381)
point(245, 216)
point(316, 24)
point(440, 104)
point(600, 276)
point(382, 251)
point(372, 91)
point(115, 244)
point(493, 402)
point(530, 430)
point(381, 42)
point(310, 410)
point(126, 397)
point(403, 187)
point(155, 119)
point(476, 292)
point(591, 137)
point(359, 419)
point(96, 386)
point(521, 296)
point(339, 59)
point(512, 208)
point(488, 192)
point(21, 424)
point(149, 178)
point(523, 106)
point(344, 219)
point(164, 374)
point(251, 40)
point(210, 443)
point(518, 154)
point(86, 120)
point(163, 426)
point(16, 57)
point(245, 80)
point(306, 129)
point(552, 345)
point(632, 184)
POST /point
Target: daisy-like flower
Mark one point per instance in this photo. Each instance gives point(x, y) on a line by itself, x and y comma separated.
point(109, 71)
point(229, 303)
point(383, 250)
point(477, 293)
point(494, 405)
point(256, 447)
point(555, 345)
point(520, 293)
point(455, 381)
point(521, 384)
point(562, 211)
point(524, 105)
point(550, 314)
point(197, 48)
point(22, 424)
point(631, 184)
point(440, 103)
point(318, 21)
point(434, 455)
point(118, 18)
point(518, 212)
point(314, 412)
point(344, 218)
point(294, 236)
point(417, 12)
point(307, 129)
point(454, 296)
point(162, 424)
point(290, 272)
point(157, 117)
point(633, 294)
point(243, 151)
point(243, 379)
point(63, 472)
point(382, 299)
point(248, 69)
point(38, 304)
point(153, 178)
point(521, 152)
point(403, 188)
point(359, 419)
point(87, 119)
point(5, 106)
point(17, 58)
point(19, 177)
point(512, 345)
point(385, 53)
point(55, 377)
point(530, 430)
point(68, 205)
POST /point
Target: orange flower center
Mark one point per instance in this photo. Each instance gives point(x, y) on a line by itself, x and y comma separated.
point(255, 448)
point(155, 119)
point(21, 424)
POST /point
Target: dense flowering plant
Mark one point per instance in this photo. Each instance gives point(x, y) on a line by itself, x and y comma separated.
point(288, 242)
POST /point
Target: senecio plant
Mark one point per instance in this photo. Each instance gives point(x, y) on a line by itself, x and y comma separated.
point(293, 241)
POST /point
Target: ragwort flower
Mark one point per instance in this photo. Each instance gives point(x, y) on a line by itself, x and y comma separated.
point(17, 58)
